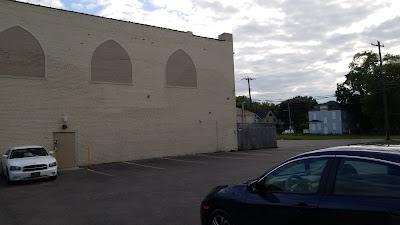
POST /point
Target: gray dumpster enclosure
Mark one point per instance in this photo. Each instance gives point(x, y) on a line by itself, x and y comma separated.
point(256, 136)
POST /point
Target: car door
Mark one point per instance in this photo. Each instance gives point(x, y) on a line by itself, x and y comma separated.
point(362, 191)
point(291, 193)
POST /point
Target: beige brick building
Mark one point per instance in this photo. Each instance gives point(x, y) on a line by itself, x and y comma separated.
point(129, 91)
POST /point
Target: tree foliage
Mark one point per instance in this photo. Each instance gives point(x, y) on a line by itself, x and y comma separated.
point(255, 105)
point(361, 94)
point(299, 107)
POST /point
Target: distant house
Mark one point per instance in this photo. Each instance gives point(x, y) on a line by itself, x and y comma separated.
point(249, 117)
point(267, 116)
point(327, 118)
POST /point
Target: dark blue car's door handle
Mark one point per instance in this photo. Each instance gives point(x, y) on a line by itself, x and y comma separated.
point(395, 213)
point(300, 207)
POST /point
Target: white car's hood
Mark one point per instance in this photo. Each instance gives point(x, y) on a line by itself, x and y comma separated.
point(27, 161)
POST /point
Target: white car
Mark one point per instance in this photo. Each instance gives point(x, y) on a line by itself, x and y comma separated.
point(290, 131)
point(28, 162)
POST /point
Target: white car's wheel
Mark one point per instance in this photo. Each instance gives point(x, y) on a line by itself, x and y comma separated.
point(3, 173)
point(9, 181)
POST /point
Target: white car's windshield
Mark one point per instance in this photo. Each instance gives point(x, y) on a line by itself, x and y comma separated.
point(28, 152)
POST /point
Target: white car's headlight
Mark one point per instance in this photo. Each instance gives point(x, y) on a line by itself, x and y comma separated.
point(13, 168)
point(53, 164)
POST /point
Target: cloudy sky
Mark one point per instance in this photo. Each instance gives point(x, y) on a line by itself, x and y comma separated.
point(291, 47)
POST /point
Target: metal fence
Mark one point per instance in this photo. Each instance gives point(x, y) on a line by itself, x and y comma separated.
point(256, 136)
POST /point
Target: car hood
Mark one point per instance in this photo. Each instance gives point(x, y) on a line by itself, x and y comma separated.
point(31, 161)
point(233, 192)
point(237, 189)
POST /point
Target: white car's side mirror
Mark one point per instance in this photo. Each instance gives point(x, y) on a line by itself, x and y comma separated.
point(51, 152)
point(5, 156)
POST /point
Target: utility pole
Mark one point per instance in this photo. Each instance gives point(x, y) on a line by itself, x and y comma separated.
point(243, 113)
point(385, 104)
point(290, 118)
point(248, 83)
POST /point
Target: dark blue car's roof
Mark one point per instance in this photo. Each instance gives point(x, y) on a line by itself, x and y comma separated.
point(391, 153)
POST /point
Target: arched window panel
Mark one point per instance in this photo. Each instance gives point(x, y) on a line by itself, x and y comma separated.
point(21, 55)
point(181, 71)
point(111, 63)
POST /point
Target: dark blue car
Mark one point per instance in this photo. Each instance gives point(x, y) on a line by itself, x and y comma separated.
point(350, 185)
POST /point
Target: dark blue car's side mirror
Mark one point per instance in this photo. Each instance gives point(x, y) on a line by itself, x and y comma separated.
point(256, 187)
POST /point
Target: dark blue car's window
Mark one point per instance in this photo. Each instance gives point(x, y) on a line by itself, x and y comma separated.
point(302, 176)
point(367, 178)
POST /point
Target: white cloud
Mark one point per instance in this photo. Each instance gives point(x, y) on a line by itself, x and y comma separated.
point(183, 6)
point(198, 16)
point(77, 6)
point(121, 9)
point(50, 3)
point(378, 17)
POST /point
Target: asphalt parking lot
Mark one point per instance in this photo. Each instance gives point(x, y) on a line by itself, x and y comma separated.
point(146, 192)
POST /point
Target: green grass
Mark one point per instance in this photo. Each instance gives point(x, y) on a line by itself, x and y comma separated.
point(333, 136)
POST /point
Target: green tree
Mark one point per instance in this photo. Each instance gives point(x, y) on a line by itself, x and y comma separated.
point(255, 105)
point(361, 94)
point(299, 107)
point(240, 99)
point(268, 105)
